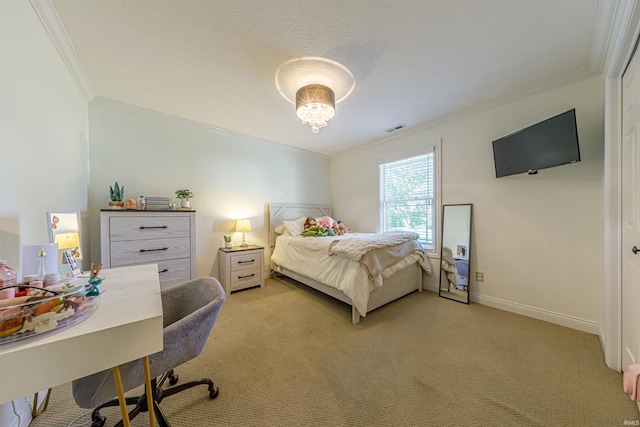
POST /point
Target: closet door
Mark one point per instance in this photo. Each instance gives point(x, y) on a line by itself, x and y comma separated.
point(631, 213)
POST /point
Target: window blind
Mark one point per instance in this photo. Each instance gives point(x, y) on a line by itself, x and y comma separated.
point(407, 196)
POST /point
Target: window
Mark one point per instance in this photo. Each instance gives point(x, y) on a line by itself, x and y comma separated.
point(407, 196)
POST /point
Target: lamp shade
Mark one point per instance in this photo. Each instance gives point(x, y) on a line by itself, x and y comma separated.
point(243, 225)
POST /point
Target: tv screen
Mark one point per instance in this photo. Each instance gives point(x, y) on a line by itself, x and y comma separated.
point(552, 142)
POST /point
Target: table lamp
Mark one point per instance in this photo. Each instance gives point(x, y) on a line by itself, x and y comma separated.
point(243, 225)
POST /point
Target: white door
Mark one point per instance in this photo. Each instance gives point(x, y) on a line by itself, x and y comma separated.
point(631, 213)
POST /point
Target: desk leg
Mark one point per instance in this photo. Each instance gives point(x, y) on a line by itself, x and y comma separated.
point(123, 403)
point(150, 403)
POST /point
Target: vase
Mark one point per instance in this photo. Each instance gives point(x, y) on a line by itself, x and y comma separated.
point(185, 204)
point(228, 245)
point(116, 205)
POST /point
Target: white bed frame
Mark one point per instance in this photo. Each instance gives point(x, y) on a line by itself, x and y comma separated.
point(400, 284)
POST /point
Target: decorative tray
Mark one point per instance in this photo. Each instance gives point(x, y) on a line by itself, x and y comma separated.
point(44, 311)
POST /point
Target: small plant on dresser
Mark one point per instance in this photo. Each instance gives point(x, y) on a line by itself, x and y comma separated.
point(116, 194)
point(184, 196)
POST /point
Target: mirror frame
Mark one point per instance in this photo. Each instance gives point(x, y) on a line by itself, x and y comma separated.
point(464, 296)
point(52, 234)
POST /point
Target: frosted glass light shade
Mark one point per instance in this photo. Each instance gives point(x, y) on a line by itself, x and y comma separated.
point(243, 225)
point(315, 106)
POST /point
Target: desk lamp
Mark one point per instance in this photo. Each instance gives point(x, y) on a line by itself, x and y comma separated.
point(243, 225)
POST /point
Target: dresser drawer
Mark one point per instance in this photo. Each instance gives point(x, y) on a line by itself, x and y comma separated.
point(246, 278)
point(248, 261)
point(148, 251)
point(148, 227)
point(174, 271)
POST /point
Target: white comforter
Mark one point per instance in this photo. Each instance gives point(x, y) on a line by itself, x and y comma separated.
point(309, 256)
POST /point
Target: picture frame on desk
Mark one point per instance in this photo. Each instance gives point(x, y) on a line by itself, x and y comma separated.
point(69, 256)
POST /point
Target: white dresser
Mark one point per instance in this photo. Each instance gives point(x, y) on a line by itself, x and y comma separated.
point(166, 238)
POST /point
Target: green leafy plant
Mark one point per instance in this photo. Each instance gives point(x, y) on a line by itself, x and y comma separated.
point(116, 192)
point(227, 239)
point(184, 194)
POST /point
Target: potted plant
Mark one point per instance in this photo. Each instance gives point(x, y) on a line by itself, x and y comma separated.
point(116, 193)
point(184, 196)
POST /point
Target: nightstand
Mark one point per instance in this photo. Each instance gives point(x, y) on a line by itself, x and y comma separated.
point(241, 268)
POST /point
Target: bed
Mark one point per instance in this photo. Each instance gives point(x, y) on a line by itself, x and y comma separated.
point(318, 262)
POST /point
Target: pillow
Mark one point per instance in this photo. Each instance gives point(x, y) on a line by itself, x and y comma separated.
point(279, 229)
point(294, 228)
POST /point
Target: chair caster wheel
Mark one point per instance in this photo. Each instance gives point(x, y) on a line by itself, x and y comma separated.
point(173, 379)
point(99, 422)
point(213, 392)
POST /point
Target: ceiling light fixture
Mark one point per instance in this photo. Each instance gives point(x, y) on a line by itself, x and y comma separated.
point(314, 85)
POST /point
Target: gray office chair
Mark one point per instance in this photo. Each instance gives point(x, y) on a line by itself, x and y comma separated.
point(189, 313)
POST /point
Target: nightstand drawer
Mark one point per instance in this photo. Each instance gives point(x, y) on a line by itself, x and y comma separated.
point(241, 262)
point(245, 278)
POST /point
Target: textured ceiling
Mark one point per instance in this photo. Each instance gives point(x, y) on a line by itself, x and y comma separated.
point(414, 62)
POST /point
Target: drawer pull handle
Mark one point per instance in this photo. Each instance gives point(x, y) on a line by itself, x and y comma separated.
point(246, 277)
point(163, 271)
point(142, 227)
point(154, 250)
point(246, 262)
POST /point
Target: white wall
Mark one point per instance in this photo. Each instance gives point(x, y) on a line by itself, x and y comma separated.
point(44, 136)
point(232, 176)
point(538, 239)
point(44, 159)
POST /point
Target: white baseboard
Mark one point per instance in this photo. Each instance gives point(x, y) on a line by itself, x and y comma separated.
point(603, 338)
point(588, 326)
point(540, 314)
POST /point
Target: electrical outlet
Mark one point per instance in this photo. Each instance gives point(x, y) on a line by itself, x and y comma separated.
point(479, 276)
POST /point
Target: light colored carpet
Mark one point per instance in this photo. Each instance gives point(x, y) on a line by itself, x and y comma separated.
point(286, 355)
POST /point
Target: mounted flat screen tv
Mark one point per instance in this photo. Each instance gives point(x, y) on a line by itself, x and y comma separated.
point(552, 142)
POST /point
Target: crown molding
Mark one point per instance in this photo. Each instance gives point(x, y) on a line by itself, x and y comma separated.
point(602, 37)
point(50, 19)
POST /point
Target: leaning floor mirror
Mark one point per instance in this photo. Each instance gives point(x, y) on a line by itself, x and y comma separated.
point(455, 252)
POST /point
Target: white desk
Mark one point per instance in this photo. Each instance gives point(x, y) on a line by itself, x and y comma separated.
point(126, 326)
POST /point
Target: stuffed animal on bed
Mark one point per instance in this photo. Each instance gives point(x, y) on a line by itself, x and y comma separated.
point(317, 231)
point(326, 222)
point(340, 229)
point(309, 222)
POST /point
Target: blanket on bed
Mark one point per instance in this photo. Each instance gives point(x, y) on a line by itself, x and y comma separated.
point(376, 252)
point(355, 247)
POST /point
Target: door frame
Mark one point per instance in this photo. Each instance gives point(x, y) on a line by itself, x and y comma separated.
point(623, 40)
